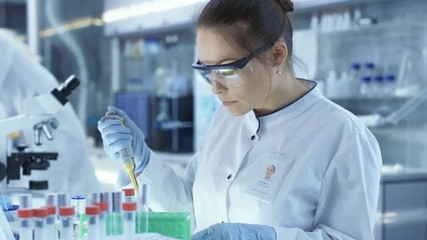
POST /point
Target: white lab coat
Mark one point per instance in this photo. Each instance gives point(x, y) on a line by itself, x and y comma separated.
point(330, 163)
point(21, 76)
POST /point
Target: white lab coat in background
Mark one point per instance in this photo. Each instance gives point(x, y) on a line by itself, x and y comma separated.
point(21, 76)
point(328, 168)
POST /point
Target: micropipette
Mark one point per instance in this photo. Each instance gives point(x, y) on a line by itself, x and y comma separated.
point(126, 155)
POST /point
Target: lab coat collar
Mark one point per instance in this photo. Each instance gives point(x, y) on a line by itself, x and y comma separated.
point(252, 122)
point(295, 109)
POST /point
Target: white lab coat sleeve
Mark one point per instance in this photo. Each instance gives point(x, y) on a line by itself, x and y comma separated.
point(348, 200)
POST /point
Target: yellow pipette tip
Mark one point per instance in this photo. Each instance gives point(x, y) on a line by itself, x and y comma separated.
point(129, 168)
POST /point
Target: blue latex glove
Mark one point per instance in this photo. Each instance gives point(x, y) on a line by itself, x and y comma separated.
point(236, 231)
point(116, 137)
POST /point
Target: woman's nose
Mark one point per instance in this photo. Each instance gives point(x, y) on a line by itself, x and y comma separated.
point(217, 87)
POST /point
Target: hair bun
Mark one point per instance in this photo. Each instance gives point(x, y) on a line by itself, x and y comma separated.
point(287, 5)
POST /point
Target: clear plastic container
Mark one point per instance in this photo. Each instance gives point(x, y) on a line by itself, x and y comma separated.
point(107, 198)
point(142, 216)
point(25, 201)
point(116, 218)
point(378, 86)
point(94, 198)
point(40, 223)
point(92, 213)
point(389, 85)
point(365, 86)
point(63, 200)
point(25, 224)
point(51, 199)
point(172, 224)
point(354, 78)
point(51, 230)
point(129, 194)
point(369, 69)
point(129, 210)
point(102, 220)
point(79, 204)
point(66, 215)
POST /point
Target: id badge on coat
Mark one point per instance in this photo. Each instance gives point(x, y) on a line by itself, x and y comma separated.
point(268, 174)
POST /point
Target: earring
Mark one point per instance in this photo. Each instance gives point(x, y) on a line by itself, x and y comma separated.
point(278, 72)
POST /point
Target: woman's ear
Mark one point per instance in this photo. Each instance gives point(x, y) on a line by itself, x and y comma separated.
point(280, 53)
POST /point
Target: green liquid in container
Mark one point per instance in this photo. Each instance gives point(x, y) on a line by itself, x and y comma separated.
point(170, 224)
point(114, 224)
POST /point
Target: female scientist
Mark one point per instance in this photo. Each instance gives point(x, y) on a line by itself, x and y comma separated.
point(327, 164)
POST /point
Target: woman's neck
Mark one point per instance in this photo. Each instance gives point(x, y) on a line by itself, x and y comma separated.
point(282, 94)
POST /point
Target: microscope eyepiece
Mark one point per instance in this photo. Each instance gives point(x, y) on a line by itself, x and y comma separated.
point(69, 85)
point(65, 89)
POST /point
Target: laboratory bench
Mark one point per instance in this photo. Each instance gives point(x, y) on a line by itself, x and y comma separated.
point(405, 176)
point(402, 209)
point(403, 205)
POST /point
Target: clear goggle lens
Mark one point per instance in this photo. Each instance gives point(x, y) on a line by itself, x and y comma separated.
point(228, 77)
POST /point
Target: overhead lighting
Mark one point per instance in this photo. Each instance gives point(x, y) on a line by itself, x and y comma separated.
point(145, 8)
point(150, 7)
point(72, 25)
point(312, 3)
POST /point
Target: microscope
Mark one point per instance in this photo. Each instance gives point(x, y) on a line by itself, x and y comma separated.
point(38, 116)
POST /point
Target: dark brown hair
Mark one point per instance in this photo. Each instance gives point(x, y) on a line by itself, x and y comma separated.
point(250, 23)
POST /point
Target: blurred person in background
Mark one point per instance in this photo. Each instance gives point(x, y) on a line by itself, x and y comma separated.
point(327, 163)
point(22, 76)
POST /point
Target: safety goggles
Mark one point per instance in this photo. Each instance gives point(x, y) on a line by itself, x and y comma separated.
point(230, 74)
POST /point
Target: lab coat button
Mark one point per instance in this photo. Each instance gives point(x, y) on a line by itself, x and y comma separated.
point(253, 137)
point(229, 176)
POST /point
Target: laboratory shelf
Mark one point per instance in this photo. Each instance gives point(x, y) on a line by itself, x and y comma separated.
point(405, 175)
point(369, 105)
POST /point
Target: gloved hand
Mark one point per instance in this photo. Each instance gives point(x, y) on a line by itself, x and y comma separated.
point(116, 136)
point(236, 231)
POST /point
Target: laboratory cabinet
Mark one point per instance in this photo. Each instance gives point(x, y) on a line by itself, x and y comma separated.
point(379, 75)
point(403, 207)
point(376, 72)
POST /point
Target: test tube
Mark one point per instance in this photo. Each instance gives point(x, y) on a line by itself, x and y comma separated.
point(40, 218)
point(117, 213)
point(107, 198)
point(129, 209)
point(50, 223)
point(102, 220)
point(79, 204)
point(66, 215)
point(63, 200)
point(51, 199)
point(92, 213)
point(94, 198)
point(129, 194)
point(25, 224)
point(25, 201)
point(142, 218)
